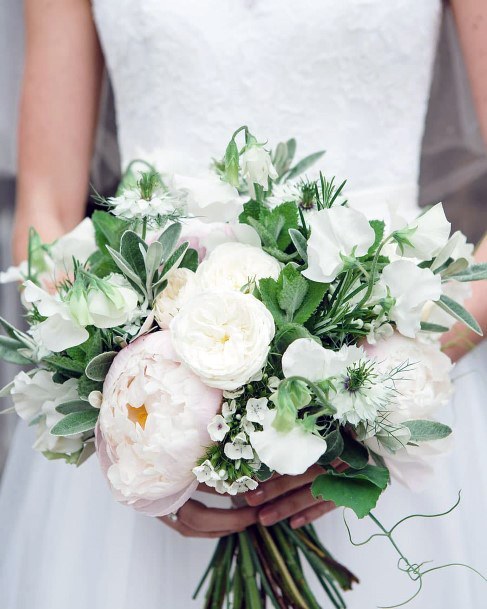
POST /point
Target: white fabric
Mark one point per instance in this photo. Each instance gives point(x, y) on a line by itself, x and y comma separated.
point(349, 76)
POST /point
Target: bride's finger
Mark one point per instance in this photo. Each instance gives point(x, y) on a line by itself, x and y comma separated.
point(285, 507)
point(311, 514)
point(279, 486)
point(186, 531)
point(199, 517)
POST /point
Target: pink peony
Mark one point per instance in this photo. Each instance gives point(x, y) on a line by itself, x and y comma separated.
point(153, 426)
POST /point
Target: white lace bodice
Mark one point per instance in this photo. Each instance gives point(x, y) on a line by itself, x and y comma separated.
point(348, 76)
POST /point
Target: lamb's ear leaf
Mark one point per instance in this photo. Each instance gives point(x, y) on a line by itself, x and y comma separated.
point(73, 406)
point(460, 313)
point(98, 367)
point(424, 431)
point(169, 238)
point(304, 164)
point(76, 422)
point(133, 248)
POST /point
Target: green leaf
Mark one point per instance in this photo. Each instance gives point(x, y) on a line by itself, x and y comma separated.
point(372, 473)
point(427, 327)
point(76, 422)
point(5, 391)
point(73, 406)
point(293, 289)
point(268, 294)
point(278, 255)
point(86, 386)
point(290, 332)
point(9, 329)
point(460, 313)
point(300, 243)
point(126, 269)
point(131, 248)
point(379, 227)
point(304, 164)
point(153, 261)
point(190, 260)
point(86, 452)
point(475, 272)
point(174, 259)
point(169, 238)
point(108, 229)
point(252, 209)
point(98, 367)
point(359, 495)
point(232, 166)
point(354, 453)
point(281, 219)
point(334, 447)
point(266, 236)
point(102, 264)
point(70, 459)
point(65, 364)
point(314, 297)
point(264, 473)
point(424, 431)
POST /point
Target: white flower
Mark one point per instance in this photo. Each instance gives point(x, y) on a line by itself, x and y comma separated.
point(95, 398)
point(257, 167)
point(14, 273)
point(411, 287)
point(114, 305)
point(305, 357)
point(379, 330)
point(273, 382)
point(235, 265)
point(153, 425)
point(208, 198)
point(229, 409)
point(282, 193)
point(246, 425)
point(290, 452)
point(206, 474)
point(78, 243)
point(131, 205)
point(360, 404)
point(238, 448)
point(456, 247)
point(35, 399)
point(257, 409)
point(218, 428)
point(336, 232)
point(427, 234)
point(60, 330)
point(223, 336)
point(180, 287)
point(241, 485)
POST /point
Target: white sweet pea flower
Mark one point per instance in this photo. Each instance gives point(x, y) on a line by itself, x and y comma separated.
point(411, 287)
point(181, 286)
point(305, 357)
point(218, 428)
point(35, 400)
point(79, 244)
point(238, 448)
point(241, 485)
point(14, 273)
point(456, 247)
point(427, 234)
point(234, 266)
point(223, 336)
point(336, 232)
point(60, 330)
point(114, 305)
point(257, 409)
point(208, 198)
point(290, 452)
point(257, 167)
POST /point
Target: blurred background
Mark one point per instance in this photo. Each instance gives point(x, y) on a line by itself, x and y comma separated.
point(453, 164)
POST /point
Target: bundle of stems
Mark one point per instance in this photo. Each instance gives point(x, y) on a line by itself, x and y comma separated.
point(263, 568)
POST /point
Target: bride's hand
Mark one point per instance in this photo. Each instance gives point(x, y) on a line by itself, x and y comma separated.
point(195, 519)
point(290, 497)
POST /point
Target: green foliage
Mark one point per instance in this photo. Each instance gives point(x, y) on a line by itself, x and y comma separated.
point(460, 313)
point(9, 351)
point(271, 225)
point(76, 422)
point(98, 367)
point(190, 260)
point(283, 156)
point(424, 431)
point(169, 238)
point(288, 333)
point(108, 229)
point(231, 162)
point(379, 228)
point(358, 490)
point(475, 272)
point(300, 243)
point(268, 289)
point(292, 291)
point(64, 364)
point(334, 447)
point(86, 386)
point(133, 250)
point(427, 327)
point(354, 453)
point(73, 406)
point(304, 164)
point(314, 297)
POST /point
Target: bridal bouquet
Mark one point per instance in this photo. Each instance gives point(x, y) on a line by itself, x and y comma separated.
point(224, 329)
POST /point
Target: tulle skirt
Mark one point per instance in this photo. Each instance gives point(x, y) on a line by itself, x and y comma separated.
point(64, 542)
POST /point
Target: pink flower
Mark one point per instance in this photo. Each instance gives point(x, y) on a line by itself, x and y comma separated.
point(153, 426)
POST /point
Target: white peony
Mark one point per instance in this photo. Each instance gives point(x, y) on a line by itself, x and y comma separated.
point(411, 287)
point(336, 232)
point(290, 452)
point(424, 389)
point(234, 266)
point(208, 198)
point(181, 286)
point(153, 426)
point(257, 167)
point(427, 234)
point(223, 336)
point(35, 398)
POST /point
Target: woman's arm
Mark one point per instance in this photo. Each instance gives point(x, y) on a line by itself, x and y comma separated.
point(471, 21)
point(58, 115)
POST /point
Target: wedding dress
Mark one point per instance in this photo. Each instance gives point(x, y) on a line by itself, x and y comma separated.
point(351, 77)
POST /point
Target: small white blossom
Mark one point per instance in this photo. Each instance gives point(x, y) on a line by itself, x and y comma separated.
point(282, 193)
point(230, 395)
point(205, 473)
point(273, 382)
point(241, 485)
point(218, 428)
point(229, 409)
point(379, 331)
point(131, 205)
point(246, 425)
point(257, 409)
point(239, 448)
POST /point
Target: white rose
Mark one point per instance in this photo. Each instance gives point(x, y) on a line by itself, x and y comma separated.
point(208, 198)
point(424, 389)
point(180, 287)
point(290, 452)
point(411, 287)
point(235, 265)
point(152, 428)
point(223, 336)
point(35, 398)
point(336, 232)
point(257, 167)
point(429, 233)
